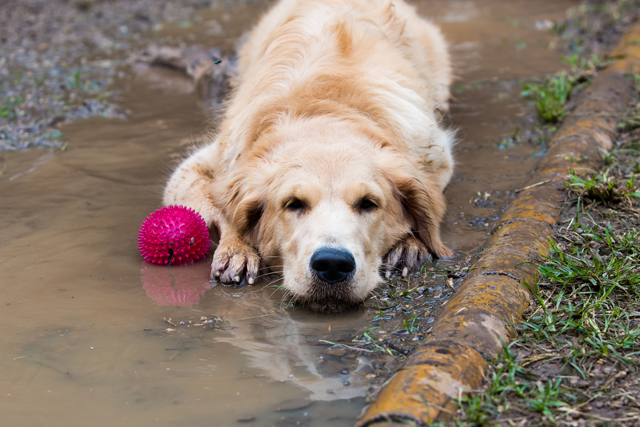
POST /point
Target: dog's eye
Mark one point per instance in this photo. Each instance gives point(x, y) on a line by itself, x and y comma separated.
point(367, 205)
point(294, 205)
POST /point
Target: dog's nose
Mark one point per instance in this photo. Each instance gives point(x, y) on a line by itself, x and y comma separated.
point(333, 265)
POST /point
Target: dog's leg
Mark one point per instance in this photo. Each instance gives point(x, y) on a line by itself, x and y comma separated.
point(409, 254)
point(191, 185)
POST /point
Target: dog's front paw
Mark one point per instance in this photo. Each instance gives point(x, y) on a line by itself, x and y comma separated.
point(408, 254)
point(234, 261)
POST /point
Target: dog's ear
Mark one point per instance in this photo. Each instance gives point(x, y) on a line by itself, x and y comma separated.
point(244, 199)
point(242, 205)
point(247, 218)
point(423, 206)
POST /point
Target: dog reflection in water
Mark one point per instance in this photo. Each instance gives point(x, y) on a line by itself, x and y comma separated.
point(285, 346)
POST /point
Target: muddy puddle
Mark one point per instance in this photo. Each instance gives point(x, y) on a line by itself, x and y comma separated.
point(94, 336)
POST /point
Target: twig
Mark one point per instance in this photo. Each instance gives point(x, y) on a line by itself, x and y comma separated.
point(529, 187)
point(597, 417)
point(613, 378)
point(255, 317)
point(344, 345)
point(168, 320)
point(422, 400)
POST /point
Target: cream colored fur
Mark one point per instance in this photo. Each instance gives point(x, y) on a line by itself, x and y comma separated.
point(336, 102)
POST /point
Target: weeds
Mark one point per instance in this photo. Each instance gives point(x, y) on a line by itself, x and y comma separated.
point(583, 67)
point(550, 97)
point(586, 327)
point(603, 188)
point(552, 93)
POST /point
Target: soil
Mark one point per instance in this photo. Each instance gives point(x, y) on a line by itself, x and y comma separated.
point(594, 27)
point(59, 59)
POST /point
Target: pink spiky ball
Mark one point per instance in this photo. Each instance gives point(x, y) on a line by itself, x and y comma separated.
point(173, 235)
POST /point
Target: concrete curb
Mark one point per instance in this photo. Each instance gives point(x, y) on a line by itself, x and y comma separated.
point(472, 325)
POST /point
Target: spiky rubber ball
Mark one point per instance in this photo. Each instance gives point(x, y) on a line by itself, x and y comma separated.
point(173, 235)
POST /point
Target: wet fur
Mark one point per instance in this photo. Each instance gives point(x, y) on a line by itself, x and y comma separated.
point(336, 101)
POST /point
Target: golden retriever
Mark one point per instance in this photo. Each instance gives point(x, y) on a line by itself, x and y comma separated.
point(330, 161)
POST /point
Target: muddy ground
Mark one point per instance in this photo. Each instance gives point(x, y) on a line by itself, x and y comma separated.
point(99, 333)
point(59, 59)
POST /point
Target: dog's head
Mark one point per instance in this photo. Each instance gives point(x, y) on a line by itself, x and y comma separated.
point(324, 203)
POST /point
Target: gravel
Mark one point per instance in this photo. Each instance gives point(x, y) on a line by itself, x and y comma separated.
point(60, 58)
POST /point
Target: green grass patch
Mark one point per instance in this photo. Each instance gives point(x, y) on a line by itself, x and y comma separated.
point(603, 187)
point(550, 97)
point(579, 345)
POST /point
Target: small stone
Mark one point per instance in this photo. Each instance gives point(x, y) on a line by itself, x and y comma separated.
point(336, 351)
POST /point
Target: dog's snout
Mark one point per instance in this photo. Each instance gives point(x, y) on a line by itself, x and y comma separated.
point(333, 265)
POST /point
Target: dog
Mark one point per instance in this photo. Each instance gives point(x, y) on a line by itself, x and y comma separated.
point(330, 161)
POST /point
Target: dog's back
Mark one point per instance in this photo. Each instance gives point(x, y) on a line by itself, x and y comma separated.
point(368, 20)
point(368, 55)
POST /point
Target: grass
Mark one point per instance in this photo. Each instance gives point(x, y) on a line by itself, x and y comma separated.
point(576, 360)
point(550, 95)
point(581, 67)
point(578, 347)
point(604, 188)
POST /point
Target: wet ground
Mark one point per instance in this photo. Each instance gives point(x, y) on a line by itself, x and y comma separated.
point(58, 59)
point(94, 336)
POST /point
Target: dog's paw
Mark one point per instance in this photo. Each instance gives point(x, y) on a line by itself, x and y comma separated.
point(408, 254)
point(234, 261)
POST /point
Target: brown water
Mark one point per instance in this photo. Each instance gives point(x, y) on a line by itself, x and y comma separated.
point(84, 341)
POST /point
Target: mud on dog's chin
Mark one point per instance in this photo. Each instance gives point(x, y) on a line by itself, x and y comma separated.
point(326, 297)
